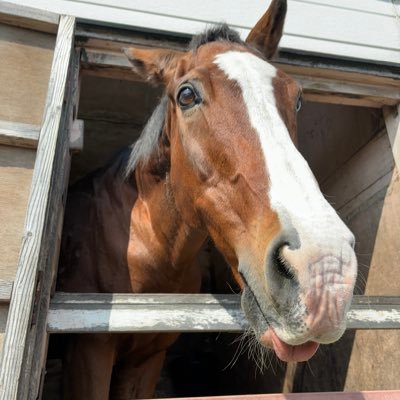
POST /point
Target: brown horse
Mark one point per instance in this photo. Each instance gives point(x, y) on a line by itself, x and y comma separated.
point(216, 160)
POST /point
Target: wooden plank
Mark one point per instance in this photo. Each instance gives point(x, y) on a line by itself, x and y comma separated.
point(340, 70)
point(3, 322)
point(71, 312)
point(26, 58)
point(108, 39)
point(5, 291)
point(28, 17)
point(16, 168)
point(45, 201)
point(392, 121)
point(368, 167)
point(35, 372)
point(363, 395)
point(319, 89)
point(19, 135)
point(351, 93)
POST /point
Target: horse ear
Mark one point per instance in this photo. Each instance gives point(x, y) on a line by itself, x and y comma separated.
point(154, 65)
point(267, 33)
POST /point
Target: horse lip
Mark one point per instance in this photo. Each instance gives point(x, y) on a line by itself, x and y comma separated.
point(268, 337)
point(247, 287)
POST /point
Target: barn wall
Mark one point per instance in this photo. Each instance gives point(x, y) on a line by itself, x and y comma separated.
point(366, 30)
point(26, 58)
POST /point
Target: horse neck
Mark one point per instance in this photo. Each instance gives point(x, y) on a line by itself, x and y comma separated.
point(160, 240)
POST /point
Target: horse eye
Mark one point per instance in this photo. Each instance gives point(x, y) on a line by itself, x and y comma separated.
point(298, 104)
point(187, 97)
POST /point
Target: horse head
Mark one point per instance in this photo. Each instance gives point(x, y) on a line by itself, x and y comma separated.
point(223, 139)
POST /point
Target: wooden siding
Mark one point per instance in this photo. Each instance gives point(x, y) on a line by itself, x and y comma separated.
point(26, 58)
point(367, 30)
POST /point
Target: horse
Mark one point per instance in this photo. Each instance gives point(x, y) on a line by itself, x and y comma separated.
point(217, 160)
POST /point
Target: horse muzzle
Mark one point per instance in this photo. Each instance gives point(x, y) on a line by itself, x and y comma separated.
point(303, 299)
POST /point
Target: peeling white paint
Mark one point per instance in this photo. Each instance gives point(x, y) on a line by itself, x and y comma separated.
point(374, 316)
point(163, 313)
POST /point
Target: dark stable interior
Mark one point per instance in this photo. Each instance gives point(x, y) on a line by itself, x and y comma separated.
point(114, 112)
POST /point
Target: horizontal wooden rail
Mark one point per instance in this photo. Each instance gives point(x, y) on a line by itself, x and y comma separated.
point(326, 90)
point(79, 312)
point(25, 135)
point(5, 291)
point(365, 395)
point(18, 134)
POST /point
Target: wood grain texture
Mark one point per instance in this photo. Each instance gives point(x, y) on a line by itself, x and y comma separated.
point(19, 135)
point(35, 358)
point(26, 58)
point(111, 40)
point(320, 89)
point(43, 202)
point(28, 17)
point(16, 168)
point(71, 312)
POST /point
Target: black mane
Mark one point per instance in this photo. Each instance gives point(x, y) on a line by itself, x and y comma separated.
point(144, 147)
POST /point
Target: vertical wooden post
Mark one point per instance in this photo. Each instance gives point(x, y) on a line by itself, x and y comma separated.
point(30, 297)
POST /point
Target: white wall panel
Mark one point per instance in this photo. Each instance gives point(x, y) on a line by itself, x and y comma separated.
point(354, 29)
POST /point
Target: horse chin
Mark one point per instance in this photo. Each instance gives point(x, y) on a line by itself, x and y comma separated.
point(263, 328)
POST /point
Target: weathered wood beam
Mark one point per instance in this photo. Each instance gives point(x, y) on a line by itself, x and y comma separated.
point(19, 135)
point(26, 135)
point(5, 291)
point(319, 89)
point(71, 312)
point(28, 17)
point(39, 248)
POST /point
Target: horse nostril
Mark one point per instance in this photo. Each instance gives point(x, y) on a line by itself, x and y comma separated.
point(281, 264)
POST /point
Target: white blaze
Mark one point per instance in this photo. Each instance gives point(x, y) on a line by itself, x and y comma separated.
point(293, 191)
